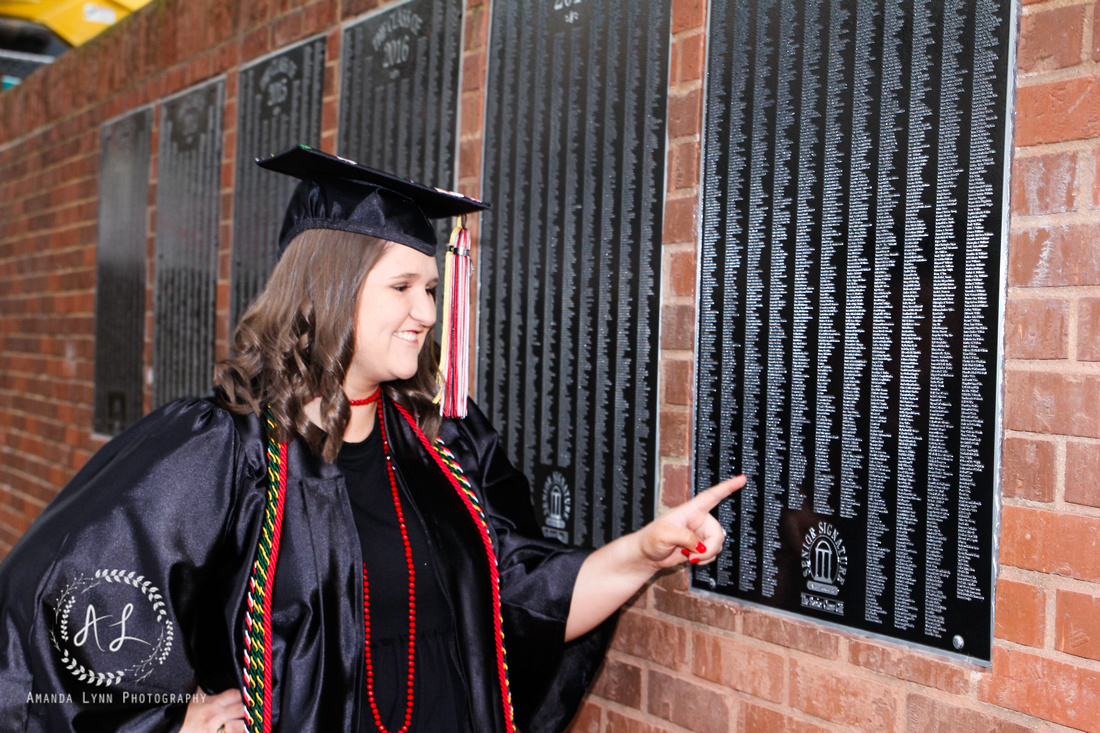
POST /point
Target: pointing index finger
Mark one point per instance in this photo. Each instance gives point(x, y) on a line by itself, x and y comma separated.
point(707, 500)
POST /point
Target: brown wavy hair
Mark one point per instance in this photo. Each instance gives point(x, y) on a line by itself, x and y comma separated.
point(297, 338)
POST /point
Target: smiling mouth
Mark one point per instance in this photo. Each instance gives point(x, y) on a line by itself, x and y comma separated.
point(410, 336)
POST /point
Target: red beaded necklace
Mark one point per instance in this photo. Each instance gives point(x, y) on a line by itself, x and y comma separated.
point(412, 590)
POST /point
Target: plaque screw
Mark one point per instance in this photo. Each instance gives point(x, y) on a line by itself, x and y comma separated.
point(957, 642)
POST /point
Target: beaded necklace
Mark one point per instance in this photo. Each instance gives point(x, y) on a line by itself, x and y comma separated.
point(257, 636)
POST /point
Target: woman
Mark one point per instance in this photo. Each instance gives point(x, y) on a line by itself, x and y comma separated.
point(315, 540)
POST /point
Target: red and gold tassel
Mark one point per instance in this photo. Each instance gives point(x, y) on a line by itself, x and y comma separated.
point(454, 359)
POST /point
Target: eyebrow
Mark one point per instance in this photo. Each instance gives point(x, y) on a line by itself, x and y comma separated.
point(412, 276)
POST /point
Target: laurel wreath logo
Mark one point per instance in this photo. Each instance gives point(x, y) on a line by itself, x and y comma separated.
point(136, 672)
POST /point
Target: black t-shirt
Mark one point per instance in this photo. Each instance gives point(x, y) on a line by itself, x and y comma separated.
point(439, 702)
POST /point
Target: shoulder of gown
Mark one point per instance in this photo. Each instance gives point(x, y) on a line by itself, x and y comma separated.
point(99, 598)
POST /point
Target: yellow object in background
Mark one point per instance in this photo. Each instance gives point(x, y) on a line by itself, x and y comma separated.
point(73, 21)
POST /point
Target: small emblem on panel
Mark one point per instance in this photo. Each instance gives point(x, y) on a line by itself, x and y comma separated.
point(557, 501)
point(824, 559)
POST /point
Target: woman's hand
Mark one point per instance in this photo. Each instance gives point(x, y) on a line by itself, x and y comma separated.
point(615, 572)
point(687, 533)
point(209, 713)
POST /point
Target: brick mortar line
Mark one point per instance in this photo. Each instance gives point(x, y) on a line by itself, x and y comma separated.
point(1084, 69)
point(1052, 292)
point(639, 714)
point(1052, 366)
point(1049, 653)
point(1049, 437)
point(1060, 507)
point(1022, 223)
point(1037, 150)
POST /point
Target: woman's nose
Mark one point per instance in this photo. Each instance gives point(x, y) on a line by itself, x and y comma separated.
point(424, 309)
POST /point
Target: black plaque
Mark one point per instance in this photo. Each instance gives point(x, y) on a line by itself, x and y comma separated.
point(570, 254)
point(399, 92)
point(120, 270)
point(188, 206)
point(279, 106)
point(850, 286)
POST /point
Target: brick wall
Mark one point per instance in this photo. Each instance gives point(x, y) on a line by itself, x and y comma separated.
point(680, 662)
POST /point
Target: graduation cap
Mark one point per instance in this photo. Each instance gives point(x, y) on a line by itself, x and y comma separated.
point(337, 193)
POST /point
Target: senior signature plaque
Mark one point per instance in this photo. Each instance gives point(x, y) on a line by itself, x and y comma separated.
point(188, 208)
point(279, 105)
point(569, 256)
point(120, 265)
point(850, 286)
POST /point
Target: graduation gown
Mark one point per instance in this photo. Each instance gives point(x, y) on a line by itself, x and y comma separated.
point(129, 591)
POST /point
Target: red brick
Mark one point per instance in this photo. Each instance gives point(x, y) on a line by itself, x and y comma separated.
point(679, 219)
point(619, 682)
point(826, 692)
point(1058, 403)
point(740, 666)
point(758, 719)
point(1055, 256)
point(925, 715)
point(805, 637)
point(1051, 39)
point(683, 168)
point(1082, 472)
point(681, 273)
point(675, 484)
point(677, 381)
point(1077, 624)
point(1051, 542)
point(1095, 35)
point(713, 612)
point(678, 327)
point(692, 53)
point(352, 8)
point(588, 719)
point(1020, 613)
point(685, 113)
point(1088, 329)
point(675, 433)
point(1036, 328)
point(911, 666)
point(1058, 111)
point(1044, 184)
point(650, 638)
point(619, 723)
point(1027, 469)
point(1044, 688)
point(692, 706)
point(688, 14)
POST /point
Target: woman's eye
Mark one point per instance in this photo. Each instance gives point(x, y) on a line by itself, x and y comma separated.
point(431, 292)
point(400, 288)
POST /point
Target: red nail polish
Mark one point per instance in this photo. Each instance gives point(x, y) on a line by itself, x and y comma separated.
point(694, 560)
point(700, 548)
point(684, 552)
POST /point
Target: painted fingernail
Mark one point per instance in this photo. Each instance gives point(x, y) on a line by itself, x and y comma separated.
point(694, 560)
point(685, 552)
point(700, 548)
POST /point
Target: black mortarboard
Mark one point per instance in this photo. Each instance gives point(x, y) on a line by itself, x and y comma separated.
point(336, 193)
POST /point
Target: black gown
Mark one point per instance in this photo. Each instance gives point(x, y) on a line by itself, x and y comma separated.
point(130, 589)
point(438, 694)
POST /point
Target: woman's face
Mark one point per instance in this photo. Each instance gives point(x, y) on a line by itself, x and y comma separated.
point(396, 308)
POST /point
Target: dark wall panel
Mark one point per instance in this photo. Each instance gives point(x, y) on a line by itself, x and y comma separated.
point(188, 210)
point(570, 254)
point(849, 294)
point(279, 106)
point(120, 270)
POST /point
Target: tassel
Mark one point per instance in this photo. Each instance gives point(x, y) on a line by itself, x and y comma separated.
point(454, 359)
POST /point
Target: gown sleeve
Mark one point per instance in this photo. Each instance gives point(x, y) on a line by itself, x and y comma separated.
point(548, 676)
point(102, 622)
